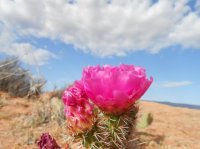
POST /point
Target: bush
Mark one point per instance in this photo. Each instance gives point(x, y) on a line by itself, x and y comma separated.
point(45, 112)
point(16, 80)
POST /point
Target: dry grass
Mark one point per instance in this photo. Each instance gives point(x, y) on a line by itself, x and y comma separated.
point(45, 112)
point(25, 129)
point(3, 102)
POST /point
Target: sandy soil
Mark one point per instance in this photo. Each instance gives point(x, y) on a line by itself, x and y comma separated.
point(172, 127)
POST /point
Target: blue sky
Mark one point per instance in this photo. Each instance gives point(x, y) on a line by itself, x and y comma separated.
point(172, 65)
point(60, 40)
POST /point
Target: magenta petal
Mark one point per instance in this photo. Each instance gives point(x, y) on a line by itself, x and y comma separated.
point(78, 109)
point(115, 88)
point(47, 142)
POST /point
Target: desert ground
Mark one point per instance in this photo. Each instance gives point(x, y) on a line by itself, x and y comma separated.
point(172, 127)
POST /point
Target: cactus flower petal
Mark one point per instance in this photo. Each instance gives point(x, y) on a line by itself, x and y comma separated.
point(78, 109)
point(47, 142)
point(114, 89)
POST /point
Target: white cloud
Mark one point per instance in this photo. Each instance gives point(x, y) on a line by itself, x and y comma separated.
point(103, 28)
point(24, 51)
point(187, 32)
point(197, 6)
point(174, 84)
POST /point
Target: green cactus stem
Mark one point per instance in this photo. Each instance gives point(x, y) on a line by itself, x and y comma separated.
point(109, 131)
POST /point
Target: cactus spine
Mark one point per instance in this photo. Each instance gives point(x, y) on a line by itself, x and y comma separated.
point(108, 132)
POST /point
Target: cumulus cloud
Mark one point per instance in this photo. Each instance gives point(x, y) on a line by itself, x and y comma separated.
point(24, 51)
point(174, 84)
point(104, 28)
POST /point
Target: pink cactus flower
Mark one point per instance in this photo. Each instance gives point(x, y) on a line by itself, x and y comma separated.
point(114, 89)
point(78, 109)
point(47, 142)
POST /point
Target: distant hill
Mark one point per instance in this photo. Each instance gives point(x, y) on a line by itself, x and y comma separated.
point(179, 104)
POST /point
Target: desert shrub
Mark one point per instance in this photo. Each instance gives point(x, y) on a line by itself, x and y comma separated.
point(45, 116)
point(45, 112)
point(16, 80)
point(36, 85)
point(58, 93)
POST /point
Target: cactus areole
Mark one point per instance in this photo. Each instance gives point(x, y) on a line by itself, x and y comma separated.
point(101, 107)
